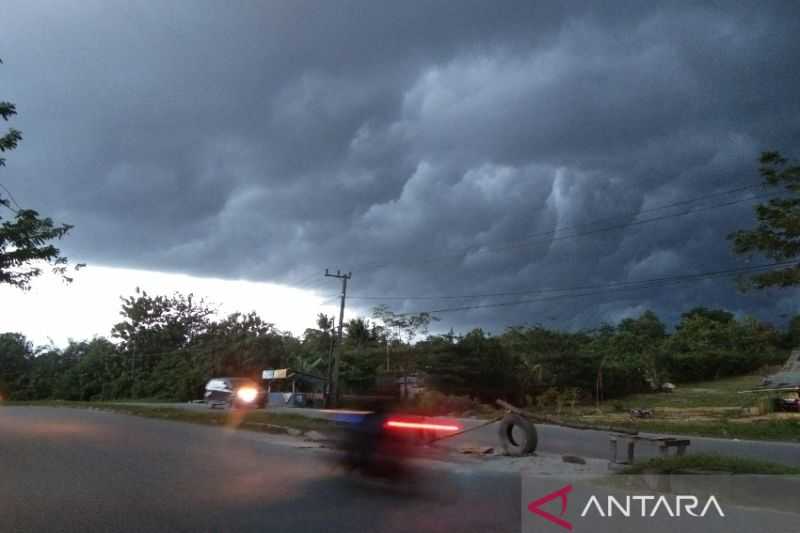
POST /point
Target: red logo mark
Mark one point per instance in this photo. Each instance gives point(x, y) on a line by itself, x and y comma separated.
point(535, 505)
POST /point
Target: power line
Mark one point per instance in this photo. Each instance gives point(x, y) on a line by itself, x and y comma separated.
point(610, 287)
point(663, 217)
point(637, 222)
point(3, 203)
point(309, 281)
point(329, 301)
point(650, 210)
point(304, 283)
point(517, 245)
point(304, 280)
point(611, 284)
point(314, 285)
point(528, 241)
point(676, 280)
point(11, 196)
point(7, 205)
point(534, 237)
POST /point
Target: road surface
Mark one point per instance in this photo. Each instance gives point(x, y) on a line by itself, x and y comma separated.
point(561, 440)
point(76, 470)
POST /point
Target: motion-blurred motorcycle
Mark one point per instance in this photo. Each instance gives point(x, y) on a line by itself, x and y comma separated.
point(382, 445)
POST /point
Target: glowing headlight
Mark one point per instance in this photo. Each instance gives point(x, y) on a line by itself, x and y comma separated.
point(247, 394)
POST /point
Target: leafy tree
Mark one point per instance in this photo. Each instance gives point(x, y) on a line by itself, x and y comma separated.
point(314, 351)
point(363, 356)
point(324, 322)
point(304, 363)
point(244, 345)
point(478, 365)
point(26, 239)
point(46, 368)
point(717, 315)
point(628, 356)
point(318, 340)
point(409, 324)
point(88, 371)
point(15, 356)
point(359, 333)
point(155, 328)
point(547, 359)
point(396, 326)
point(703, 348)
point(777, 234)
point(647, 327)
point(154, 324)
point(360, 369)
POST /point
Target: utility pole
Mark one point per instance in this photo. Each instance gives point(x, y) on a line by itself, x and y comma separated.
point(333, 388)
point(329, 372)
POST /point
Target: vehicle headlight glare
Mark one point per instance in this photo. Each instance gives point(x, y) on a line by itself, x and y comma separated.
point(247, 394)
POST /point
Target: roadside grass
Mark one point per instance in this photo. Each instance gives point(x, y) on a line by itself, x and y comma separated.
point(782, 429)
point(709, 409)
point(712, 408)
point(141, 400)
point(709, 463)
point(717, 393)
point(253, 420)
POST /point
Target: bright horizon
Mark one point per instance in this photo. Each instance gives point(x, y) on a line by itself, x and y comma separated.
point(55, 312)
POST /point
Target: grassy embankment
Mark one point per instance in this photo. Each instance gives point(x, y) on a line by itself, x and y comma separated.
point(710, 408)
point(254, 420)
point(707, 463)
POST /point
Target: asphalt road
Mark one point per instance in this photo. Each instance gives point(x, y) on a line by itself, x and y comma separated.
point(75, 470)
point(561, 440)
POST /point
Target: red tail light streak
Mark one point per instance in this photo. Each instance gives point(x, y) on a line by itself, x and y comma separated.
point(396, 423)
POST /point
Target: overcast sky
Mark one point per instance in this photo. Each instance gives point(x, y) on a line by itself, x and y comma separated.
point(407, 142)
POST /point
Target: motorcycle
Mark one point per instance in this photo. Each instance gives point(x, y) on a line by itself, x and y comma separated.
point(372, 449)
point(382, 448)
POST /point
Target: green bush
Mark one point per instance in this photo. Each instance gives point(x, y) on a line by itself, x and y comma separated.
point(437, 403)
point(703, 349)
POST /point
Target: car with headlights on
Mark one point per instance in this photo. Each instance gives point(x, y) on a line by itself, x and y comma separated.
point(235, 393)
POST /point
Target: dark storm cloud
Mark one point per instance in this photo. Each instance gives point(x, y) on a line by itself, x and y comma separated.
point(271, 140)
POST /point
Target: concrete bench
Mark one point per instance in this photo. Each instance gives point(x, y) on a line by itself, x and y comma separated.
point(663, 443)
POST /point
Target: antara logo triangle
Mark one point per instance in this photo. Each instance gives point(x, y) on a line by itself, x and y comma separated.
point(535, 507)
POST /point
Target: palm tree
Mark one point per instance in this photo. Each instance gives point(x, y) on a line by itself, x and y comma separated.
point(304, 363)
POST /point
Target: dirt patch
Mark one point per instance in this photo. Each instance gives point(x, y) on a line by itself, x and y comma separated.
point(686, 414)
point(542, 464)
point(708, 412)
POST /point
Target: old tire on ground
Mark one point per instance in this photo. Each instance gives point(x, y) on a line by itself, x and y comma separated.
point(518, 435)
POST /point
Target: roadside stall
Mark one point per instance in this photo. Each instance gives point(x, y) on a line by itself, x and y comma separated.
point(292, 388)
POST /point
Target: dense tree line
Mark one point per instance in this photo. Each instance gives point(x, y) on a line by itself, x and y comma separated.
point(636, 355)
point(167, 347)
